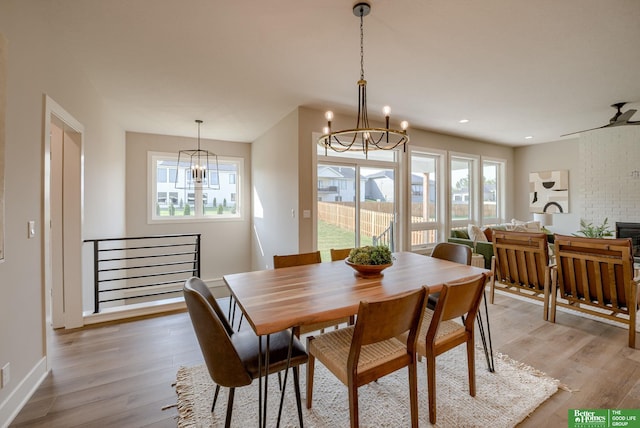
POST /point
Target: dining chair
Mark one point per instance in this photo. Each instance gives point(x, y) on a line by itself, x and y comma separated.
point(370, 349)
point(462, 254)
point(301, 259)
point(296, 259)
point(439, 332)
point(340, 253)
point(233, 358)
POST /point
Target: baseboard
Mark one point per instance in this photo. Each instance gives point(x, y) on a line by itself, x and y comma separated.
point(17, 399)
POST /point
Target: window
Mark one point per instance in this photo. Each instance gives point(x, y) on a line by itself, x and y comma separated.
point(492, 191)
point(356, 199)
point(170, 204)
point(426, 200)
point(461, 173)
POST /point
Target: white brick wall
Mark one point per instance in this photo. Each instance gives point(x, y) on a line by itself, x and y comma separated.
point(610, 163)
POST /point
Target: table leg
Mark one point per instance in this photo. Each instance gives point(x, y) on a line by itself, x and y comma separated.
point(488, 351)
point(284, 383)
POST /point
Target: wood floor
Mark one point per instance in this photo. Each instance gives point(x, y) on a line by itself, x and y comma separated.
point(120, 375)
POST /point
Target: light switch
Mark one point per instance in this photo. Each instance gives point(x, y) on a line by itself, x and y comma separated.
point(31, 229)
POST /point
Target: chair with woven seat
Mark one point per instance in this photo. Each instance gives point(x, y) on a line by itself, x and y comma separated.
point(439, 332)
point(370, 349)
point(520, 265)
point(232, 358)
point(596, 273)
point(340, 253)
point(291, 260)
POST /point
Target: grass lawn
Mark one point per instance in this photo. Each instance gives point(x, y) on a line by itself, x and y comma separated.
point(331, 236)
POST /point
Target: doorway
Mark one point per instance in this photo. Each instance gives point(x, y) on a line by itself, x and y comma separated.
point(62, 231)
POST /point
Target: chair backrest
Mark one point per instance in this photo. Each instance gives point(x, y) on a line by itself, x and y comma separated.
point(201, 287)
point(521, 258)
point(453, 252)
point(340, 253)
point(459, 298)
point(296, 259)
point(388, 318)
point(595, 271)
point(222, 359)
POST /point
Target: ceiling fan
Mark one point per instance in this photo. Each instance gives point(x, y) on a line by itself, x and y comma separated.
point(618, 119)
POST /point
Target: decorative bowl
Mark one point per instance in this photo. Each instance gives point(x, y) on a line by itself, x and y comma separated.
point(367, 271)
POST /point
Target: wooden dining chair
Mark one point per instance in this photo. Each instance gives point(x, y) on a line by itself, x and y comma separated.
point(340, 253)
point(301, 259)
point(462, 254)
point(232, 358)
point(296, 259)
point(370, 349)
point(439, 332)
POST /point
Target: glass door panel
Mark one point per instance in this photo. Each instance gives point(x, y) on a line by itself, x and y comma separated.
point(377, 206)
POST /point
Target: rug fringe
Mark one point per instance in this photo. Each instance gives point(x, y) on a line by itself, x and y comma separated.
point(533, 371)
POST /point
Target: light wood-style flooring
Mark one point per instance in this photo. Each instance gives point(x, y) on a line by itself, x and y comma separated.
point(120, 375)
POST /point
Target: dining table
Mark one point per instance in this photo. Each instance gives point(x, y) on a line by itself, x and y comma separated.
point(274, 300)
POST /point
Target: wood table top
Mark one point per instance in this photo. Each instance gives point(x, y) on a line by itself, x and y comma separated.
point(277, 299)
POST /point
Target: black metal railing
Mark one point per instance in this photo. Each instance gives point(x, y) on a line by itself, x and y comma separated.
point(143, 267)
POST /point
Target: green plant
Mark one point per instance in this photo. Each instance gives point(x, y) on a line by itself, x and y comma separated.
point(220, 209)
point(187, 210)
point(172, 209)
point(157, 208)
point(591, 231)
point(371, 255)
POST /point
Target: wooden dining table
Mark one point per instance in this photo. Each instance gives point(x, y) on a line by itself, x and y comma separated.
point(277, 299)
point(274, 300)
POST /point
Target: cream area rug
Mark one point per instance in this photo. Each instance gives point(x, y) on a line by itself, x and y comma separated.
point(503, 398)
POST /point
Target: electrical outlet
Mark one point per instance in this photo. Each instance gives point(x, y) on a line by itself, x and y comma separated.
point(5, 375)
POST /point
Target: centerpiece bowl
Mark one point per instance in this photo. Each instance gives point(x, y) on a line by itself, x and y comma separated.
point(368, 271)
point(369, 261)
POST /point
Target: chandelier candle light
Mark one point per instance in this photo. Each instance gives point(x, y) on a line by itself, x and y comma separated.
point(202, 172)
point(363, 137)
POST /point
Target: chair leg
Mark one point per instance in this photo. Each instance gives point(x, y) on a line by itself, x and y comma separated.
point(353, 404)
point(471, 365)
point(493, 279)
point(296, 381)
point(310, 367)
point(431, 386)
point(413, 393)
point(227, 422)
point(215, 398)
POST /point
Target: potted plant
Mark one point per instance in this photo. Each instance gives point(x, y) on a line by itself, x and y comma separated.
point(370, 260)
point(590, 231)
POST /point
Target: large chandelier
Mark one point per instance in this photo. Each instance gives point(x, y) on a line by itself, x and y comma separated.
point(199, 167)
point(363, 136)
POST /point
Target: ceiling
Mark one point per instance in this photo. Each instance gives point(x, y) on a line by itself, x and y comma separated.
point(513, 68)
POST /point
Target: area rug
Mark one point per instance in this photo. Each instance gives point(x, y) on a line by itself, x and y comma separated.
point(503, 398)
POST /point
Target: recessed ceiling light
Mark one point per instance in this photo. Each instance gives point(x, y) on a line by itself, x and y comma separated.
point(528, 137)
point(463, 121)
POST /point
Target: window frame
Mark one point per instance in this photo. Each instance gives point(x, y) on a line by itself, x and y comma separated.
point(196, 216)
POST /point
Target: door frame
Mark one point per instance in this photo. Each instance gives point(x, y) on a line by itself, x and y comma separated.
point(66, 297)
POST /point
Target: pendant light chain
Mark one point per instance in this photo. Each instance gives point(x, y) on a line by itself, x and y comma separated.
point(361, 44)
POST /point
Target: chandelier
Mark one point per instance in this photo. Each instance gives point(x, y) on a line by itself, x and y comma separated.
point(199, 168)
point(363, 136)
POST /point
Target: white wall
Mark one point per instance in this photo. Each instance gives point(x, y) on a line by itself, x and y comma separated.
point(610, 163)
point(604, 176)
point(557, 155)
point(275, 193)
point(36, 65)
point(225, 244)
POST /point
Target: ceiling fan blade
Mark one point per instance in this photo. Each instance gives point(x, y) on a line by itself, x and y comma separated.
point(624, 117)
point(586, 130)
